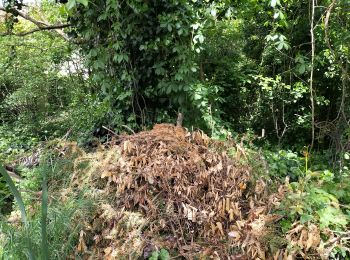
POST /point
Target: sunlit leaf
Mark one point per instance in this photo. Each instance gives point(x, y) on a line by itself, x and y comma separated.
point(71, 4)
point(273, 3)
point(84, 2)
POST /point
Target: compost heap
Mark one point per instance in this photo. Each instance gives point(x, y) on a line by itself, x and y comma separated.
point(169, 188)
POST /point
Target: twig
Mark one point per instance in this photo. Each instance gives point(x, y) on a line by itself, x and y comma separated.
point(67, 134)
point(312, 74)
point(109, 130)
point(334, 240)
point(125, 126)
point(326, 25)
point(14, 176)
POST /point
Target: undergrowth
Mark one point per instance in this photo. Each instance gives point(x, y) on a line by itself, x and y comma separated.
point(317, 196)
point(64, 218)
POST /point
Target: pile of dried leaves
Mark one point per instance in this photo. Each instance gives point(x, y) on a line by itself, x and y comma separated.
point(169, 188)
point(173, 189)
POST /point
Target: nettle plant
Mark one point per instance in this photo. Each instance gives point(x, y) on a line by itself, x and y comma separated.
point(318, 195)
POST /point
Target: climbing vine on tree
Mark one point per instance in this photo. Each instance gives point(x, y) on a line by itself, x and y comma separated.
point(144, 54)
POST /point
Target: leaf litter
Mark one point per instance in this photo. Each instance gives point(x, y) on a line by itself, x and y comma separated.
point(179, 190)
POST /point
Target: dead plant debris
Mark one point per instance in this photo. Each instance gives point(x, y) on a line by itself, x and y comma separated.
point(170, 188)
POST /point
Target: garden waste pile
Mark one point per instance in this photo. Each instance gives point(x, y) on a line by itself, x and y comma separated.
point(171, 189)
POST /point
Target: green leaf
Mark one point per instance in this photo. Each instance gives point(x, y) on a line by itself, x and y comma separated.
point(301, 68)
point(274, 3)
point(44, 205)
point(281, 15)
point(62, 10)
point(286, 224)
point(71, 4)
point(201, 38)
point(197, 96)
point(282, 37)
point(83, 2)
point(330, 216)
point(305, 218)
point(280, 46)
point(164, 254)
point(16, 194)
point(195, 26)
point(181, 99)
point(20, 203)
point(168, 90)
point(125, 57)
point(118, 58)
point(154, 256)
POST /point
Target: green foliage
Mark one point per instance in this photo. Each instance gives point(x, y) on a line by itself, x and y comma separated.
point(5, 196)
point(284, 163)
point(15, 193)
point(14, 142)
point(44, 206)
point(163, 254)
point(51, 93)
point(53, 231)
point(22, 209)
point(225, 65)
point(315, 194)
point(73, 3)
point(28, 95)
point(148, 50)
point(312, 202)
point(314, 197)
point(62, 235)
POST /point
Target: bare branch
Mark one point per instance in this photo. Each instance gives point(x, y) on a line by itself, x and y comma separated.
point(23, 15)
point(41, 26)
point(312, 101)
point(326, 23)
point(342, 65)
point(49, 27)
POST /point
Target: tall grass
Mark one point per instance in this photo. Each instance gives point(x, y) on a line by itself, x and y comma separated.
point(53, 231)
point(15, 193)
point(21, 207)
point(44, 205)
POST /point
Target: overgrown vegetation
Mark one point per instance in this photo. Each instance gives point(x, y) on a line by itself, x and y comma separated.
point(267, 81)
